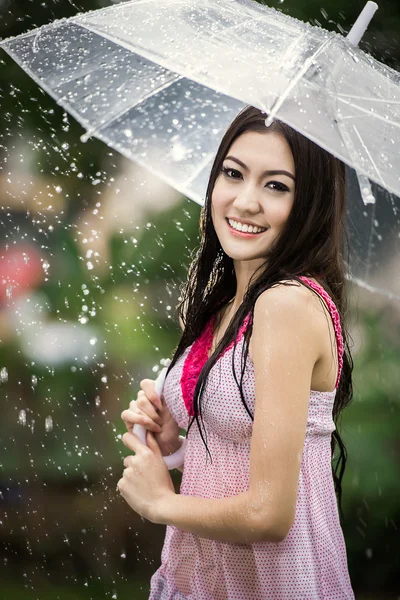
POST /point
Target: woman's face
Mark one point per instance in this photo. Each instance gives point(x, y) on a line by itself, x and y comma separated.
point(255, 187)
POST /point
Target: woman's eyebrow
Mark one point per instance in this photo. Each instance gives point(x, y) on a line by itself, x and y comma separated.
point(278, 172)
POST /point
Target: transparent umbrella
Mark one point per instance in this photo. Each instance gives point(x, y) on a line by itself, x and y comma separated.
point(161, 81)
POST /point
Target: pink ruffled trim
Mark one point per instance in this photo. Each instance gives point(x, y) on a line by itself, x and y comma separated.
point(194, 362)
point(198, 356)
point(336, 321)
point(198, 353)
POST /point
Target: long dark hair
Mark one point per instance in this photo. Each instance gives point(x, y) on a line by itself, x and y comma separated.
point(312, 243)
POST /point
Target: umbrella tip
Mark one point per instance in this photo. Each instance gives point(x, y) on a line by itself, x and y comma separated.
point(269, 120)
point(85, 137)
point(360, 26)
point(365, 189)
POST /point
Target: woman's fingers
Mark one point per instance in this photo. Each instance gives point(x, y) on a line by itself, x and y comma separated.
point(145, 409)
point(135, 418)
point(149, 390)
point(143, 404)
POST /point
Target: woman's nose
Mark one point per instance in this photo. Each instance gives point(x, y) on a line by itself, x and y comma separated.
point(247, 200)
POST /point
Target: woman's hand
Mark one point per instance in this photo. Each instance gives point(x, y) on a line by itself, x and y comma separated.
point(146, 481)
point(152, 412)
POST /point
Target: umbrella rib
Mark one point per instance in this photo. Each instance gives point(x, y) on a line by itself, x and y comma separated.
point(199, 169)
point(307, 64)
point(372, 288)
point(369, 156)
point(368, 112)
point(369, 99)
point(125, 110)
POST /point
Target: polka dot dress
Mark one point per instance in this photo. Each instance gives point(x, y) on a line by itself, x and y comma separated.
point(311, 562)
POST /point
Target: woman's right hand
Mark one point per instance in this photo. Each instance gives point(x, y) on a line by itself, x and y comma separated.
point(151, 411)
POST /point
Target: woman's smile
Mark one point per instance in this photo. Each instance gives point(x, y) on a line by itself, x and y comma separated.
point(232, 226)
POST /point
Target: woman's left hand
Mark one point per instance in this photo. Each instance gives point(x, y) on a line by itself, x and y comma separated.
point(146, 481)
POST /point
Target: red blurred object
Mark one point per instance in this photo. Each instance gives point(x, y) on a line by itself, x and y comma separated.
point(20, 269)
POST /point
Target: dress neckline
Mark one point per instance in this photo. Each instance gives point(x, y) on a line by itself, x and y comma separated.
point(198, 356)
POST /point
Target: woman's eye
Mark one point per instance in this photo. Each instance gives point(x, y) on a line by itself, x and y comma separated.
point(226, 170)
point(274, 185)
point(278, 186)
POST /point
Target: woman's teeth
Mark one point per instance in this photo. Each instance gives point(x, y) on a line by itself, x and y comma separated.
point(245, 228)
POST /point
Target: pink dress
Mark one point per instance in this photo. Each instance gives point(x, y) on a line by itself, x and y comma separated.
point(311, 562)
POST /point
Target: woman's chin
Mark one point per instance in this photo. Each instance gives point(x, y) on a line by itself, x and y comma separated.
point(244, 256)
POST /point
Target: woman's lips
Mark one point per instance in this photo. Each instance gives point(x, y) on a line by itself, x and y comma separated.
point(243, 234)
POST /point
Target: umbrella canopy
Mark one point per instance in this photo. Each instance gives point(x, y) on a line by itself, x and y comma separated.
point(143, 77)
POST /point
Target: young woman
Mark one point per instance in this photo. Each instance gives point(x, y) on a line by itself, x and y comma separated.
point(259, 378)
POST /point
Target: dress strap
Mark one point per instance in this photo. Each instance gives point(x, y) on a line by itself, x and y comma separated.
point(335, 318)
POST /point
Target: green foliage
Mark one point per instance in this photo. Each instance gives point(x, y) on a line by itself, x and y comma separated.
point(371, 434)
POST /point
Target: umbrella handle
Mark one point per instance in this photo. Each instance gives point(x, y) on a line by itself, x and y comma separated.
point(360, 26)
point(175, 459)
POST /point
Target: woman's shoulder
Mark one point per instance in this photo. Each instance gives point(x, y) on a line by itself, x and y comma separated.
point(290, 297)
point(288, 292)
point(292, 290)
point(285, 316)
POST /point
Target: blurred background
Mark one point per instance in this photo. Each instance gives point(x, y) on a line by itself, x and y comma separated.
point(93, 251)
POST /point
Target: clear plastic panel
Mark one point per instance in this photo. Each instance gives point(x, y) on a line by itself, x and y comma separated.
point(143, 77)
point(264, 58)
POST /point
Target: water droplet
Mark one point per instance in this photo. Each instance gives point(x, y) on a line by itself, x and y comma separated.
point(22, 417)
point(48, 423)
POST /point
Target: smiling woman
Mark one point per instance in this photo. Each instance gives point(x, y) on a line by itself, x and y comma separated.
point(253, 197)
point(259, 378)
